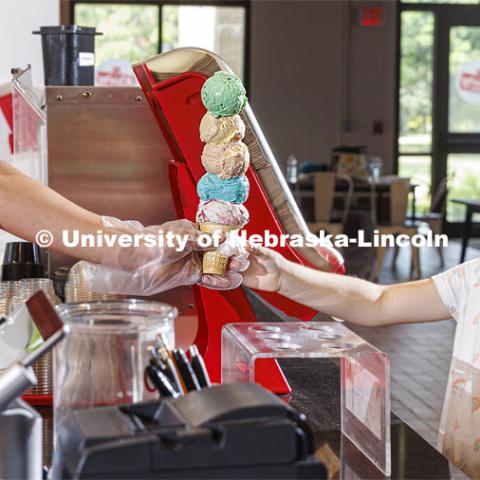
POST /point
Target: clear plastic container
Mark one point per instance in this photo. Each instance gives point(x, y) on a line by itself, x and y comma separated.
point(103, 359)
point(364, 373)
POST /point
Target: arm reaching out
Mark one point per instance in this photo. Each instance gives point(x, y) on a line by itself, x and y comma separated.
point(27, 206)
point(348, 298)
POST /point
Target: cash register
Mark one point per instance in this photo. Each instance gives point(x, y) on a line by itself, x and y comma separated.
point(227, 431)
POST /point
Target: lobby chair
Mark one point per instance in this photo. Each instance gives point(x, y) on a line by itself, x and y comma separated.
point(326, 216)
point(398, 225)
point(435, 216)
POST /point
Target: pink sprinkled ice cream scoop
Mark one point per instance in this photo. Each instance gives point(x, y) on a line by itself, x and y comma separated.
point(222, 213)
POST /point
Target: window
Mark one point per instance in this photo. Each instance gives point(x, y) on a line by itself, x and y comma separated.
point(438, 99)
point(464, 169)
point(136, 31)
point(129, 32)
point(415, 101)
point(463, 114)
point(222, 31)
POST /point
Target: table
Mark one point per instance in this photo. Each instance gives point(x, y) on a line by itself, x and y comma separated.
point(316, 393)
point(472, 206)
point(381, 189)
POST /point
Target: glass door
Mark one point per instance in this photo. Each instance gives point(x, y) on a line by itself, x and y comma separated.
point(457, 110)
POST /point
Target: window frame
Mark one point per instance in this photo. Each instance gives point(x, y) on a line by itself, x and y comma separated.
point(438, 157)
point(161, 3)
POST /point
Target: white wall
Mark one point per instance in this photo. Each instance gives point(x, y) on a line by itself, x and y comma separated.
point(301, 56)
point(18, 47)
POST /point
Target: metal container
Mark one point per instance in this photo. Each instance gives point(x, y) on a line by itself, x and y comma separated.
point(20, 442)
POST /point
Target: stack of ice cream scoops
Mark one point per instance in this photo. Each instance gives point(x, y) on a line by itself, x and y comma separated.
point(224, 188)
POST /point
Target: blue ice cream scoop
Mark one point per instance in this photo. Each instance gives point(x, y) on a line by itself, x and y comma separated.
point(235, 190)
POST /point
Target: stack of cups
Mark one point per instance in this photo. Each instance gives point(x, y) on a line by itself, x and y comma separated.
point(13, 338)
point(28, 286)
point(77, 292)
point(224, 188)
point(43, 368)
point(9, 297)
point(22, 260)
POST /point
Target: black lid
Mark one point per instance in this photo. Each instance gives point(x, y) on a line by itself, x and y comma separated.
point(67, 29)
point(21, 253)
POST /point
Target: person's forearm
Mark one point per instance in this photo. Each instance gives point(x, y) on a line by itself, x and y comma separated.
point(348, 298)
point(27, 206)
point(361, 302)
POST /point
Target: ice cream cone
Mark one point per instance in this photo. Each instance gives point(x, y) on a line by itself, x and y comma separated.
point(211, 228)
point(215, 262)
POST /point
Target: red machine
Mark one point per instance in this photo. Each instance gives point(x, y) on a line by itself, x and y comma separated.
point(172, 83)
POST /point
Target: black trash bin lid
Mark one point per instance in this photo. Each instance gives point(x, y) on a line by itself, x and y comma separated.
point(67, 30)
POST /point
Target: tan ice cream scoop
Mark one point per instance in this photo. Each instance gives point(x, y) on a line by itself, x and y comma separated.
point(222, 129)
point(226, 160)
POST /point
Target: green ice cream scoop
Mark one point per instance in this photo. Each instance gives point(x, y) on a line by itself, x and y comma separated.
point(224, 95)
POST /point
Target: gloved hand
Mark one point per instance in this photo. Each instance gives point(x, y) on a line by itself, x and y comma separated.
point(146, 270)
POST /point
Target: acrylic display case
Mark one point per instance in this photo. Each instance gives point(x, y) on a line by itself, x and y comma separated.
point(29, 126)
point(364, 370)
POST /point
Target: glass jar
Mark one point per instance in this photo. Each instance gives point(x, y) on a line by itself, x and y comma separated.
point(102, 361)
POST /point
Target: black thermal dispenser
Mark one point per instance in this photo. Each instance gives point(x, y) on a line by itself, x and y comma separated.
point(227, 431)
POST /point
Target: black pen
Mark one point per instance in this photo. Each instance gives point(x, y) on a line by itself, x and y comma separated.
point(155, 358)
point(161, 382)
point(198, 366)
point(186, 371)
point(167, 358)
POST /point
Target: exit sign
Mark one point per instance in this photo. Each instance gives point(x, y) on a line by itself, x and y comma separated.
point(372, 16)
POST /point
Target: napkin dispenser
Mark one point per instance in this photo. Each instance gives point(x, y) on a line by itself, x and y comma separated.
point(227, 431)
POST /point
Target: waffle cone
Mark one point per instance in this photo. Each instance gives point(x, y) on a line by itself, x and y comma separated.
point(211, 228)
point(214, 263)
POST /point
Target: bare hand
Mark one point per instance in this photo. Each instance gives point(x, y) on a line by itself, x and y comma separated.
point(266, 269)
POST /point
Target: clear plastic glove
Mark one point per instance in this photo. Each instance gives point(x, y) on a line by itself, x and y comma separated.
point(146, 270)
point(132, 257)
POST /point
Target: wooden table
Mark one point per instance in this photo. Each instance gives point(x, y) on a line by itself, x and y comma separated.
point(472, 206)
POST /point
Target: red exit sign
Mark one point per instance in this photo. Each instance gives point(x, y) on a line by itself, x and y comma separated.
point(372, 16)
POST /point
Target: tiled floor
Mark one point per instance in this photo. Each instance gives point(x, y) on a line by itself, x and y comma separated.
point(420, 354)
